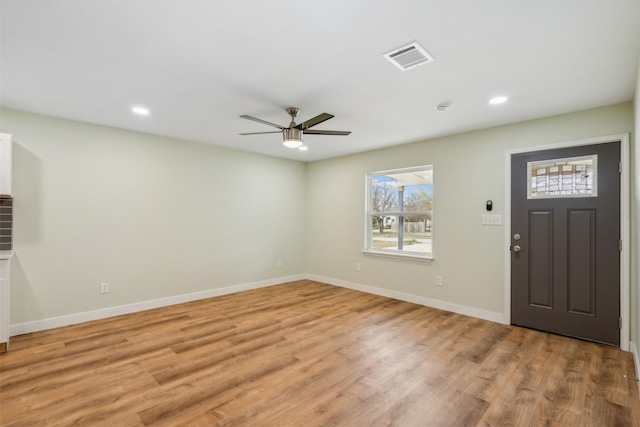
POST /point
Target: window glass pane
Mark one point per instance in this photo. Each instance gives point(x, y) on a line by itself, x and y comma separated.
point(400, 211)
point(416, 236)
point(384, 196)
point(570, 177)
point(415, 187)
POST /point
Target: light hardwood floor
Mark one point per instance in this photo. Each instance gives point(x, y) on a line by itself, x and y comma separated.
point(311, 354)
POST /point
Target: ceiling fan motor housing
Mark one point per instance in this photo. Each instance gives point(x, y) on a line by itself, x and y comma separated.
point(292, 137)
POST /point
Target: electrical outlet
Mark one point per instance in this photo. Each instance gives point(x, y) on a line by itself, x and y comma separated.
point(439, 281)
point(279, 263)
point(104, 288)
point(358, 266)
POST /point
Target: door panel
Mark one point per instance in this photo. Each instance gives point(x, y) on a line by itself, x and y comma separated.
point(581, 262)
point(541, 255)
point(566, 277)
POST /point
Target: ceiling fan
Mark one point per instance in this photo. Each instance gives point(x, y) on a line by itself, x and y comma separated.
point(292, 135)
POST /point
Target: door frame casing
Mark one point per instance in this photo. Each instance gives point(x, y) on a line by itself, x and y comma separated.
point(624, 223)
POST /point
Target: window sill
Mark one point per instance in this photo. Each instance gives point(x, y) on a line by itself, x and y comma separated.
point(404, 256)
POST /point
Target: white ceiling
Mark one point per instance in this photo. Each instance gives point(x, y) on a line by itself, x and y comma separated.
point(198, 65)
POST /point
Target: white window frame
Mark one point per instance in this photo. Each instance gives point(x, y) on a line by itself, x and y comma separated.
point(369, 213)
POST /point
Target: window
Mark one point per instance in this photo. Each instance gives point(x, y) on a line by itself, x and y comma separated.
point(571, 177)
point(399, 213)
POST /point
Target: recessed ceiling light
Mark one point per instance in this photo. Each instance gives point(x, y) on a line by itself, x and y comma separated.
point(140, 110)
point(498, 100)
point(303, 148)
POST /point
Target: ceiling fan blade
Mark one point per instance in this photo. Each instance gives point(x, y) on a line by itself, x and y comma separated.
point(260, 133)
point(326, 132)
point(315, 121)
point(262, 121)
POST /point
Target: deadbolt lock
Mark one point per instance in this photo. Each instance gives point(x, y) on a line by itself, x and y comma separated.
point(516, 236)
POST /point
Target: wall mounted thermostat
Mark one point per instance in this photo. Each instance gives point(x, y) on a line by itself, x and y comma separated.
point(489, 205)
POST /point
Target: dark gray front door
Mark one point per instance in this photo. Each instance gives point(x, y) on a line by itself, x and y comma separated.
point(565, 256)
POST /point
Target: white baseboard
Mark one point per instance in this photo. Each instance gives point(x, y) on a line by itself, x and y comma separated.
point(72, 319)
point(429, 302)
point(636, 360)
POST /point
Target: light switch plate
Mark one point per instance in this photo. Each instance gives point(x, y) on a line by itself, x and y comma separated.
point(491, 219)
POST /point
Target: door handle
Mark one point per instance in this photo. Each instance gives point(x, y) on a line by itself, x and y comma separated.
point(517, 248)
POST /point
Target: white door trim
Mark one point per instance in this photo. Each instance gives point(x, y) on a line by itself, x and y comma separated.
point(624, 224)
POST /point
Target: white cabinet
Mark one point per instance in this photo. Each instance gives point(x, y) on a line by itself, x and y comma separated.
point(4, 304)
point(6, 147)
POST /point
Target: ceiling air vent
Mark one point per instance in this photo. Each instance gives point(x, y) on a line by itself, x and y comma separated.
point(408, 57)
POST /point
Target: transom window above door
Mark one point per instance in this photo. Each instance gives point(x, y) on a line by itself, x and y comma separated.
point(570, 177)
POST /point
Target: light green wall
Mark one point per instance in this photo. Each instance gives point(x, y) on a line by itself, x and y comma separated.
point(154, 217)
point(158, 217)
point(468, 169)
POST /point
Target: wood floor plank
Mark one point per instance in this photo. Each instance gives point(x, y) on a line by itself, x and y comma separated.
point(307, 353)
point(519, 397)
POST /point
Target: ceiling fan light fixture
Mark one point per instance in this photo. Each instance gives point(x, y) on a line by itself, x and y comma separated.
point(292, 143)
point(292, 137)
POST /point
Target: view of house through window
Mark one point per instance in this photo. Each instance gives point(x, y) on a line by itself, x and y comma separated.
point(399, 212)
